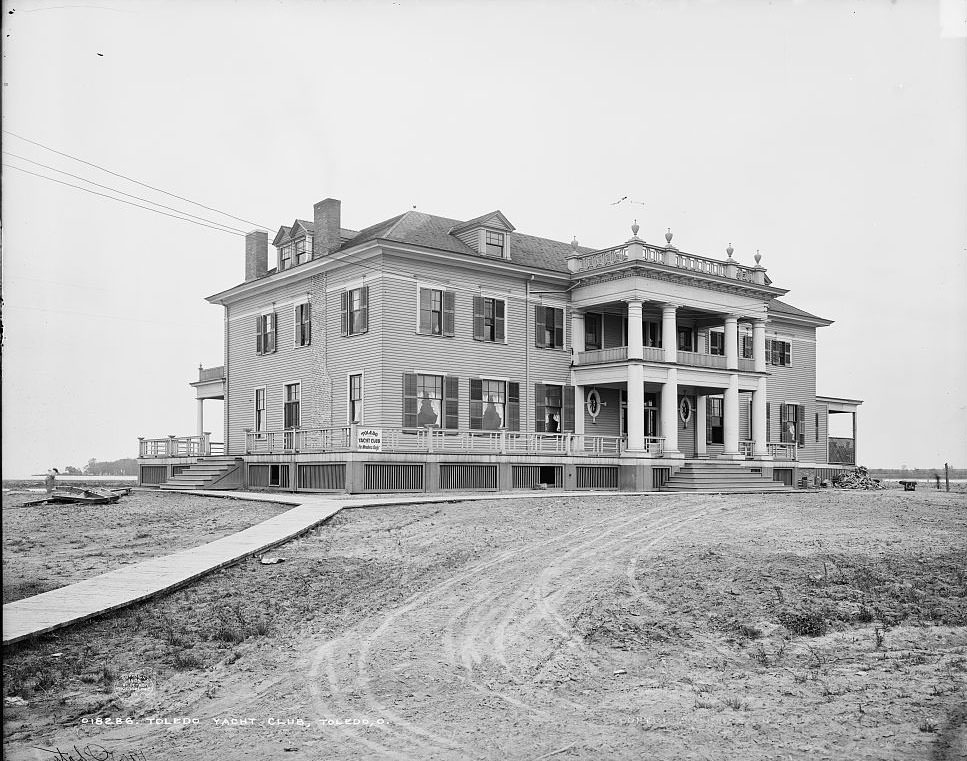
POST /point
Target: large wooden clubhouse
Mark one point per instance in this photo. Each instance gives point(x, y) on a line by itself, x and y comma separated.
point(425, 354)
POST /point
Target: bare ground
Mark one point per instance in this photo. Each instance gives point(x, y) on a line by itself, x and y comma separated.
point(50, 546)
point(824, 625)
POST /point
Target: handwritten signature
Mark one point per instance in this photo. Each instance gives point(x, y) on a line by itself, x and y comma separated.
point(93, 752)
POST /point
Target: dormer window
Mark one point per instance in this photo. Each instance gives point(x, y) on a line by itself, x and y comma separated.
point(285, 256)
point(304, 249)
point(495, 244)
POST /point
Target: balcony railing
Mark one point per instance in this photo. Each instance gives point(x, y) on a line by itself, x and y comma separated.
point(211, 373)
point(344, 439)
point(180, 446)
point(840, 451)
point(600, 356)
point(697, 359)
point(639, 251)
point(747, 448)
point(653, 353)
point(783, 451)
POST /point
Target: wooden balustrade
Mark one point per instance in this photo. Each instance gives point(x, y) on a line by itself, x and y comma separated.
point(180, 446)
point(783, 451)
point(697, 359)
point(211, 373)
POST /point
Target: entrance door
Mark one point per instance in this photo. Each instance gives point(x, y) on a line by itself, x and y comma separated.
point(651, 415)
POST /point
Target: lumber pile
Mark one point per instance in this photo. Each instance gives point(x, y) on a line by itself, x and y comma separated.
point(857, 479)
point(72, 495)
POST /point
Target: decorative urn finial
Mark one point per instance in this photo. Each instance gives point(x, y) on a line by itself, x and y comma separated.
point(758, 257)
point(729, 250)
point(574, 242)
point(668, 236)
point(635, 229)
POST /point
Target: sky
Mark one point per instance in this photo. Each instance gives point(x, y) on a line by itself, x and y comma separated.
point(829, 136)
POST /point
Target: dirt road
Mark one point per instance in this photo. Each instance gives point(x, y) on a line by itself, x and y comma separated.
point(784, 626)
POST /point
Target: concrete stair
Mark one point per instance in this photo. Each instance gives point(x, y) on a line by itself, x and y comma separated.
point(202, 474)
point(719, 476)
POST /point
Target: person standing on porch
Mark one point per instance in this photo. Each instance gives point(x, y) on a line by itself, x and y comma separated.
point(50, 479)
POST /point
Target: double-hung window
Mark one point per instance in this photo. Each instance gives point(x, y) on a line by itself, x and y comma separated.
point(714, 420)
point(549, 327)
point(355, 311)
point(494, 404)
point(716, 342)
point(265, 327)
point(592, 331)
point(686, 338)
point(259, 421)
point(430, 401)
point(436, 312)
point(303, 324)
point(285, 256)
point(290, 410)
point(488, 319)
point(792, 424)
point(778, 352)
point(303, 249)
point(356, 398)
point(747, 347)
point(651, 334)
point(553, 408)
point(495, 244)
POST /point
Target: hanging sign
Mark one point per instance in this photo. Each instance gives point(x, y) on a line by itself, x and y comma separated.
point(369, 440)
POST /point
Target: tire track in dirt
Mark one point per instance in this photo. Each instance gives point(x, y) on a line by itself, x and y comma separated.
point(325, 655)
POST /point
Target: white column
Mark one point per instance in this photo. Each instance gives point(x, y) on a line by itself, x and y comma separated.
point(856, 459)
point(577, 333)
point(759, 345)
point(635, 336)
point(201, 416)
point(730, 422)
point(759, 433)
point(732, 342)
point(701, 422)
point(669, 411)
point(579, 410)
point(669, 333)
point(636, 407)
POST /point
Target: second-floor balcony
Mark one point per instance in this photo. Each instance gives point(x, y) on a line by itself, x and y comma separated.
point(657, 354)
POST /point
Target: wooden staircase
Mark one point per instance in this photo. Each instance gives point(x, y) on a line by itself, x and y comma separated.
point(204, 474)
point(719, 476)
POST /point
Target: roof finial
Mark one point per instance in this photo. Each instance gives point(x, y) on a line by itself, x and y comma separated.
point(668, 236)
point(729, 250)
point(574, 242)
point(635, 229)
point(758, 257)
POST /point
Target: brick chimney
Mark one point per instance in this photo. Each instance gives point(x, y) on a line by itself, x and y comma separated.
point(326, 218)
point(256, 255)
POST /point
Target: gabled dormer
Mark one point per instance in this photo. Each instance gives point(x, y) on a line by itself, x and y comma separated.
point(294, 244)
point(488, 235)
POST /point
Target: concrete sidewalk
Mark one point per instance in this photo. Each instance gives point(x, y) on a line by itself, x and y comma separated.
point(140, 581)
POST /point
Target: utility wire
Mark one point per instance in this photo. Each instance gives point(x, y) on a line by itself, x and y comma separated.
point(131, 179)
point(121, 200)
point(121, 192)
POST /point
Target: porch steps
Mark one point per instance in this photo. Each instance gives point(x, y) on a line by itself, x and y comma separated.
point(713, 476)
point(201, 474)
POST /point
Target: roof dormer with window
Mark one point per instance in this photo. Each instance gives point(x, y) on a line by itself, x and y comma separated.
point(294, 244)
point(488, 235)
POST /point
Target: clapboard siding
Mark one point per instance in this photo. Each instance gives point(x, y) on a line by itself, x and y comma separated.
point(795, 384)
point(608, 422)
point(406, 350)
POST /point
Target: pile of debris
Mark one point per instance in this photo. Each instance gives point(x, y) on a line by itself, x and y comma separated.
point(72, 495)
point(858, 479)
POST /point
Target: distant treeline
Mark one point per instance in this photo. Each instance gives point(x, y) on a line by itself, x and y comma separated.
point(916, 473)
point(124, 467)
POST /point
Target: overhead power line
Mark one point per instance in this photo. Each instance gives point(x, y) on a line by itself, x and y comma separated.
point(121, 192)
point(121, 200)
point(131, 179)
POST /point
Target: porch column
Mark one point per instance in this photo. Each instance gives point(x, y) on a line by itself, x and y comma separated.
point(732, 342)
point(669, 334)
point(579, 410)
point(201, 417)
point(636, 407)
point(701, 424)
point(856, 460)
point(669, 410)
point(730, 422)
point(759, 397)
point(635, 337)
point(577, 334)
point(759, 345)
